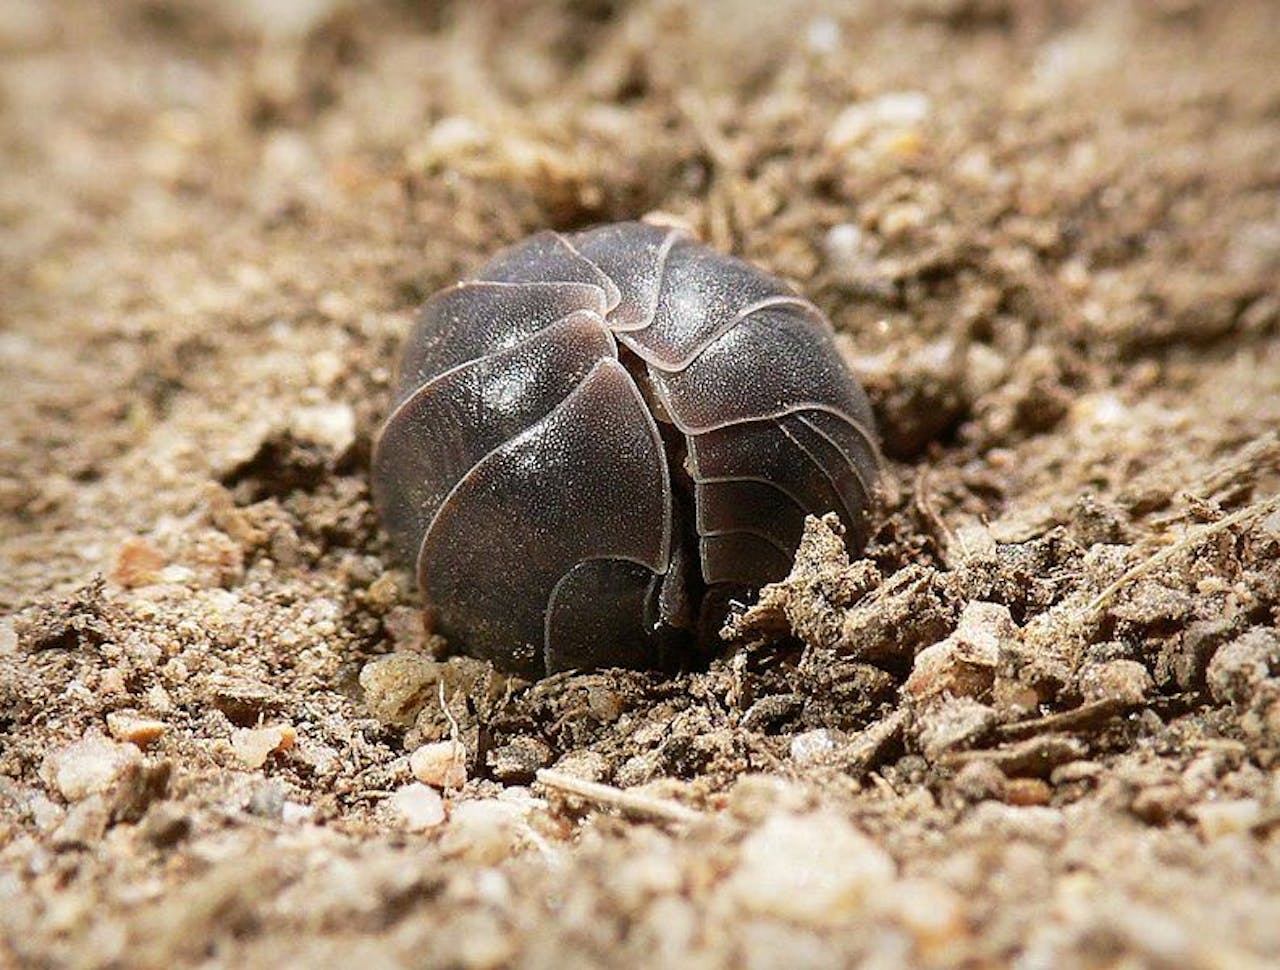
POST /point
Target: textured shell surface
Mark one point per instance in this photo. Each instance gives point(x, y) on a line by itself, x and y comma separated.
point(603, 436)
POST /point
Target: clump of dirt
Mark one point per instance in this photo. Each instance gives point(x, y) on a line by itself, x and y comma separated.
point(1037, 722)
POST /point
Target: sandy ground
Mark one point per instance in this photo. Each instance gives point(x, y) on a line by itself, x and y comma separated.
point(1038, 725)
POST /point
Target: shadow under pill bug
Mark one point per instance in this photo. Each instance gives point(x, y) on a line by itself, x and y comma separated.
point(604, 436)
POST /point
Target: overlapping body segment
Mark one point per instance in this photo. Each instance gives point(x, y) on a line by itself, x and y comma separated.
point(600, 429)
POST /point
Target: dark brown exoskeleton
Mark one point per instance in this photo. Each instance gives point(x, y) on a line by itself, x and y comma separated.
point(604, 435)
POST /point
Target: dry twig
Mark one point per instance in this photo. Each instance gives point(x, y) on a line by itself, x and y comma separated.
point(627, 802)
point(1193, 538)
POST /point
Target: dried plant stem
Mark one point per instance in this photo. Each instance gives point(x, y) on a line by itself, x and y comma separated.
point(1193, 538)
point(628, 802)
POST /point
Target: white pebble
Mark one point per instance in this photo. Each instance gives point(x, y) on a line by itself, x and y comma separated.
point(252, 746)
point(331, 424)
point(418, 807)
point(894, 111)
point(295, 813)
point(88, 766)
point(812, 747)
point(814, 869)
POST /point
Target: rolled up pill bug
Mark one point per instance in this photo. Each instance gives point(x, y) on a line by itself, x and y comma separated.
point(605, 435)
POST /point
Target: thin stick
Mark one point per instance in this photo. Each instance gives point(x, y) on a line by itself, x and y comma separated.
point(1190, 540)
point(444, 706)
point(628, 802)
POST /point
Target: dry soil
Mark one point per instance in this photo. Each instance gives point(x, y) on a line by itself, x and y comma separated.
point(1037, 725)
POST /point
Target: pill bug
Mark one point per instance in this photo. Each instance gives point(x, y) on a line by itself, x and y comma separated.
point(603, 436)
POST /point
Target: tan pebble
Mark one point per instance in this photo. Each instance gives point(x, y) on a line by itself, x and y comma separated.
point(979, 780)
point(418, 807)
point(137, 563)
point(605, 705)
point(1075, 771)
point(84, 824)
point(949, 723)
point(1026, 791)
point(46, 813)
point(142, 731)
point(382, 592)
point(442, 764)
point(111, 681)
point(91, 765)
point(1126, 681)
point(1239, 667)
point(398, 686)
point(984, 369)
point(583, 763)
point(158, 698)
point(963, 665)
point(252, 746)
point(230, 518)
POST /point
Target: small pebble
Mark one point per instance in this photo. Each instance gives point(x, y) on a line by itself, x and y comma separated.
point(1026, 791)
point(964, 664)
point(252, 746)
point(442, 764)
point(418, 807)
point(1126, 681)
point(398, 686)
point(814, 869)
point(484, 831)
point(518, 762)
point(812, 747)
point(585, 764)
point(137, 563)
point(91, 765)
point(1239, 667)
point(980, 780)
point(85, 823)
point(889, 114)
point(137, 730)
point(332, 425)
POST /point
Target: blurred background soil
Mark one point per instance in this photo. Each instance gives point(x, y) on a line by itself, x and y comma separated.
point(1038, 725)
